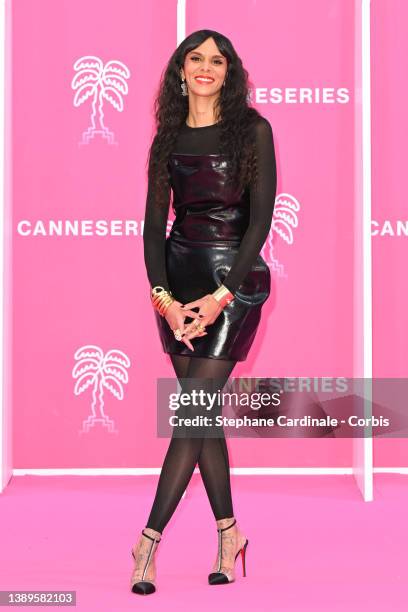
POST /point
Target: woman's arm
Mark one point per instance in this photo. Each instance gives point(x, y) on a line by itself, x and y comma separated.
point(262, 202)
point(154, 233)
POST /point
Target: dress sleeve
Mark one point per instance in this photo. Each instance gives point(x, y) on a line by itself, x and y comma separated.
point(154, 234)
point(262, 202)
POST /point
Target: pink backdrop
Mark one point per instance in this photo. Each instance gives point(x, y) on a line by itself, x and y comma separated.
point(91, 289)
point(389, 206)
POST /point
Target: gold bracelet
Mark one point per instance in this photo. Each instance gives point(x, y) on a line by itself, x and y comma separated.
point(223, 296)
point(161, 299)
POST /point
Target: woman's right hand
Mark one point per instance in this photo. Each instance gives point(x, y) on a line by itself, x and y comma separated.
point(175, 316)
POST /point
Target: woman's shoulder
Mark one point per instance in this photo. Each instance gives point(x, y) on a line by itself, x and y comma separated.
point(262, 126)
point(261, 131)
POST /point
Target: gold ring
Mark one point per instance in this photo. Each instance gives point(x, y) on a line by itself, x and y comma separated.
point(177, 333)
point(198, 325)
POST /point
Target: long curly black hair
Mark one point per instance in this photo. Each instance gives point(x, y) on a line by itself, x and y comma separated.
point(232, 109)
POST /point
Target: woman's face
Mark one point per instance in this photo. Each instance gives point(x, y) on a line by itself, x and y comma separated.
point(204, 61)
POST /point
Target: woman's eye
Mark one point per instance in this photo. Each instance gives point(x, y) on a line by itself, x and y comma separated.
point(195, 57)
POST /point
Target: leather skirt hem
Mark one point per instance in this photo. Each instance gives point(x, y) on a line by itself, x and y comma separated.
point(207, 356)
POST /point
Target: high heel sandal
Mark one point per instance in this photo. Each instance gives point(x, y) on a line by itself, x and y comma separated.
point(224, 577)
point(144, 587)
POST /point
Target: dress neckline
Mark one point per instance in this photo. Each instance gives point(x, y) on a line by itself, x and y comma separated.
point(201, 127)
point(199, 154)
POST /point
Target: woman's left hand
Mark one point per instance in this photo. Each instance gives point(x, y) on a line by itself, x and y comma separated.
point(209, 309)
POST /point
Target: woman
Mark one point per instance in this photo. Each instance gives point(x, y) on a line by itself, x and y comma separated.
point(208, 280)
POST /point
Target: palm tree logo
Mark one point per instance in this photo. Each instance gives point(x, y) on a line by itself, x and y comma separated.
point(99, 82)
point(283, 223)
point(99, 371)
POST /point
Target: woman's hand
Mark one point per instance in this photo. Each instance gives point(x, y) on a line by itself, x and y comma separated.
point(175, 316)
point(209, 310)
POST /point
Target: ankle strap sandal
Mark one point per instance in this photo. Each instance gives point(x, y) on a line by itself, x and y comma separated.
point(220, 577)
point(145, 587)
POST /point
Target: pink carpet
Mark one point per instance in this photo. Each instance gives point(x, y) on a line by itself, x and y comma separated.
point(313, 543)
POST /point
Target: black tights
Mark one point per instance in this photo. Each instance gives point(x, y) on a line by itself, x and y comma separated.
point(183, 453)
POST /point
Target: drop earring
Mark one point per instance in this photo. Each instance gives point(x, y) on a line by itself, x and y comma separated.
point(183, 86)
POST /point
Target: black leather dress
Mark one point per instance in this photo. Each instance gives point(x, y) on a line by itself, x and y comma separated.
point(211, 220)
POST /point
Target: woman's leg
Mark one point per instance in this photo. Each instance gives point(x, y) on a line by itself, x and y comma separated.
point(213, 461)
point(214, 468)
point(177, 466)
point(184, 453)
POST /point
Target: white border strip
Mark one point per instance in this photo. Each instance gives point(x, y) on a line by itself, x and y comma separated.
point(367, 265)
point(181, 21)
point(239, 471)
point(254, 471)
point(4, 470)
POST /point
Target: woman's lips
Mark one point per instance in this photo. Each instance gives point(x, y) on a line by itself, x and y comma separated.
point(204, 80)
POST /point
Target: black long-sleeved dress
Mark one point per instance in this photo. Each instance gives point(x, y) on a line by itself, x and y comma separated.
point(215, 239)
